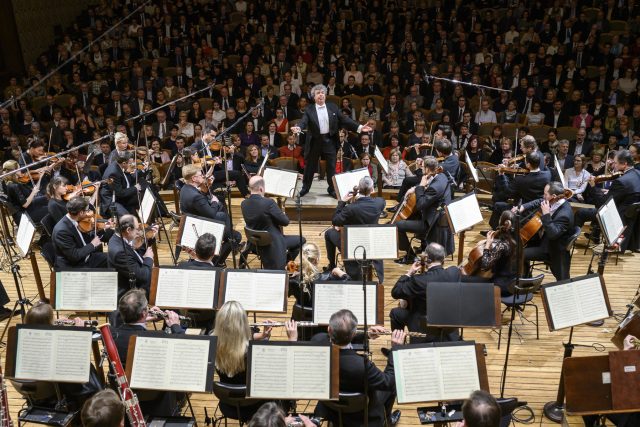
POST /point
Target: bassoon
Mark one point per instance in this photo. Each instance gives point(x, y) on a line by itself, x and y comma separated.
point(128, 397)
point(5, 416)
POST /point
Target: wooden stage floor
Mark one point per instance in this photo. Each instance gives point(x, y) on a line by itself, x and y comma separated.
point(534, 365)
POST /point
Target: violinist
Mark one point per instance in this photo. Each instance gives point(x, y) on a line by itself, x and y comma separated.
point(451, 163)
point(431, 193)
point(56, 192)
point(233, 165)
point(524, 188)
point(194, 201)
point(122, 146)
point(129, 259)
point(75, 248)
point(34, 153)
point(624, 190)
point(354, 209)
point(557, 229)
point(122, 191)
point(23, 195)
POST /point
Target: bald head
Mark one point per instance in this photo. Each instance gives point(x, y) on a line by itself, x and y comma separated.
point(256, 184)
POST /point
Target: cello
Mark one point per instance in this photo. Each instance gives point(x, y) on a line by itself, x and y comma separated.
point(408, 205)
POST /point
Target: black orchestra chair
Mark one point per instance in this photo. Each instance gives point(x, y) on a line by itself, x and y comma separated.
point(256, 239)
point(233, 404)
point(347, 403)
point(570, 245)
point(507, 406)
point(48, 224)
point(521, 296)
point(43, 400)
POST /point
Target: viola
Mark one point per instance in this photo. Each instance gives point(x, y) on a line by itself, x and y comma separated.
point(607, 177)
point(148, 236)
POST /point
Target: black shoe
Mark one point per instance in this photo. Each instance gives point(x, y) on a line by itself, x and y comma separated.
point(175, 217)
point(407, 259)
point(395, 417)
point(393, 209)
point(5, 313)
point(333, 194)
point(303, 192)
point(383, 214)
point(484, 233)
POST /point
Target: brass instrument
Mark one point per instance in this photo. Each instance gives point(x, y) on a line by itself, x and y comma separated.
point(163, 315)
point(71, 322)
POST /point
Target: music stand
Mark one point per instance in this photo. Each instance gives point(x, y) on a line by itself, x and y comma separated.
point(462, 214)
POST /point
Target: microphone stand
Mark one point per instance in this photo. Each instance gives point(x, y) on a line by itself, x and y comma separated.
point(299, 211)
point(428, 77)
point(365, 265)
point(219, 137)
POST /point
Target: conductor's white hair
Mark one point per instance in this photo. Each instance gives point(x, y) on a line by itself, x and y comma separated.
point(321, 88)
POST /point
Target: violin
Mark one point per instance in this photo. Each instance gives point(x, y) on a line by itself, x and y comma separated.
point(508, 169)
point(607, 177)
point(87, 187)
point(35, 175)
point(149, 235)
point(422, 146)
point(515, 159)
point(92, 222)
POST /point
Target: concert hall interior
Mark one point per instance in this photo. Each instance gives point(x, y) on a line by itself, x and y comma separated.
point(320, 212)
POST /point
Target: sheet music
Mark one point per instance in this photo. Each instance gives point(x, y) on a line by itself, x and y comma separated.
point(87, 290)
point(383, 162)
point(445, 373)
point(146, 206)
point(611, 221)
point(379, 242)
point(186, 288)
point(202, 226)
point(577, 302)
point(280, 182)
point(26, 230)
point(170, 364)
point(53, 355)
point(256, 291)
point(304, 372)
point(556, 164)
point(464, 213)
point(472, 168)
point(331, 297)
point(347, 180)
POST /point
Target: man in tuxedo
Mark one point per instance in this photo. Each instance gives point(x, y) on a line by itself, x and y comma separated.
point(411, 289)
point(557, 229)
point(73, 248)
point(322, 121)
point(261, 213)
point(341, 332)
point(364, 210)
point(523, 188)
point(122, 191)
point(133, 309)
point(133, 265)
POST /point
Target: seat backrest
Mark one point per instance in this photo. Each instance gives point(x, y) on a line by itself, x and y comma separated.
point(34, 390)
point(632, 210)
point(576, 233)
point(48, 223)
point(232, 394)
point(526, 285)
point(258, 237)
point(347, 403)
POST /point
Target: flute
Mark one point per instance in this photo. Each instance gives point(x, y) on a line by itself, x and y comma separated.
point(164, 315)
point(280, 324)
point(71, 322)
point(409, 333)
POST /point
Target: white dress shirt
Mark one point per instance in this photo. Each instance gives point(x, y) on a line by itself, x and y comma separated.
point(323, 118)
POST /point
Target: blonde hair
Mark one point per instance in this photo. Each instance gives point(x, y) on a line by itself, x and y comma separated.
point(233, 332)
point(188, 171)
point(310, 259)
point(8, 166)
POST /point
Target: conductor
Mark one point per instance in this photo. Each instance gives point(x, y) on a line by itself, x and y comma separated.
point(322, 121)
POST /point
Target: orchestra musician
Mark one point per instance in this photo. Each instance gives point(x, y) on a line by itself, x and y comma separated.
point(234, 333)
point(411, 289)
point(271, 415)
point(23, 196)
point(557, 229)
point(103, 409)
point(73, 248)
point(322, 121)
point(481, 410)
point(499, 253)
point(194, 202)
point(523, 188)
point(432, 192)
point(122, 190)
point(363, 209)
point(127, 259)
point(134, 311)
point(262, 213)
point(58, 194)
point(41, 314)
point(341, 332)
point(451, 163)
point(624, 190)
point(233, 162)
point(122, 147)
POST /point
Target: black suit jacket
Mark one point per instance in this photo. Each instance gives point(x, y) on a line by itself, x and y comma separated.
point(309, 121)
point(194, 202)
point(70, 250)
point(563, 119)
point(526, 187)
point(365, 210)
point(429, 199)
point(126, 196)
point(123, 259)
point(352, 372)
point(587, 147)
point(261, 213)
point(414, 290)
